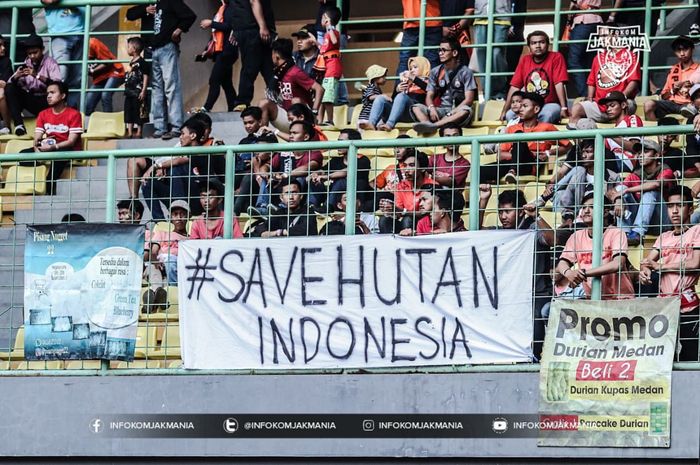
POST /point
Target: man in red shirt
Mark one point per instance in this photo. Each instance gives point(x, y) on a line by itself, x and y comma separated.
point(433, 32)
point(544, 73)
point(293, 86)
point(58, 129)
point(104, 76)
point(642, 191)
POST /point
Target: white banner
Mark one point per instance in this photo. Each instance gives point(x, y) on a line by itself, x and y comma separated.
point(356, 301)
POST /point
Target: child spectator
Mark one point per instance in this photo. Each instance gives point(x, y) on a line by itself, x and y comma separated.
point(617, 110)
point(450, 168)
point(165, 243)
point(105, 76)
point(376, 75)
point(615, 282)
point(294, 219)
point(410, 91)
point(135, 89)
point(210, 224)
point(446, 214)
point(642, 191)
point(675, 93)
point(676, 257)
point(330, 50)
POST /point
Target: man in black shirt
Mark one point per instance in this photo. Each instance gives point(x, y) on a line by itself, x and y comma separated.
point(295, 220)
point(254, 31)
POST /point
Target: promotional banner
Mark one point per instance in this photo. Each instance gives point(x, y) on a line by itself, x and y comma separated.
point(605, 376)
point(82, 286)
point(356, 301)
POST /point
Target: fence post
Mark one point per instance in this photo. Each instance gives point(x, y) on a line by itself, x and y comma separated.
point(421, 28)
point(557, 26)
point(339, 4)
point(474, 171)
point(488, 65)
point(86, 51)
point(13, 34)
point(646, 55)
point(598, 227)
point(111, 205)
point(228, 194)
point(351, 203)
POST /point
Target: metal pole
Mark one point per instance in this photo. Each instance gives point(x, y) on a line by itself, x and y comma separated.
point(421, 27)
point(645, 58)
point(110, 216)
point(598, 193)
point(86, 52)
point(228, 194)
point(557, 26)
point(351, 203)
point(339, 3)
point(13, 34)
point(474, 186)
point(488, 66)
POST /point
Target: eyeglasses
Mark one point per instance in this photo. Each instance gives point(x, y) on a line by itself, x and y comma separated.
point(444, 50)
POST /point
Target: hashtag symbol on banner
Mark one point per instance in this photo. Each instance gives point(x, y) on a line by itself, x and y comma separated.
point(198, 268)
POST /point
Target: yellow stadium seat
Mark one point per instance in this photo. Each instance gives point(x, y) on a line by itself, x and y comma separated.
point(490, 220)
point(163, 226)
point(4, 365)
point(552, 218)
point(30, 126)
point(330, 134)
point(169, 347)
point(40, 365)
point(373, 135)
point(378, 165)
point(340, 116)
point(355, 116)
point(321, 221)
point(17, 351)
point(25, 180)
point(83, 365)
point(146, 340)
point(105, 126)
point(639, 100)
point(635, 255)
point(17, 145)
point(175, 364)
point(533, 190)
point(492, 110)
point(138, 365)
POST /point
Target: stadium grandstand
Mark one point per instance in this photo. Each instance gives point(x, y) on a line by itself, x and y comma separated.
point(339, 230)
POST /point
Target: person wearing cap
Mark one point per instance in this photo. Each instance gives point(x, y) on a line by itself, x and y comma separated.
point(642, 192)
point(411, 90)
point(453, 83)
point(617, 110)
point(307, 51)
point(27, 89)
point(676, 92)
point(376, 76)
point(165, 243)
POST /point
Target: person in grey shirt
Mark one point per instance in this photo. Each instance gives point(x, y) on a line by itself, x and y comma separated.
point(454, 84)
point(307, 53)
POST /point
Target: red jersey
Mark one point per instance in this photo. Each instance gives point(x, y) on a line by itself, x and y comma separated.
point(541, 78)
point(60, 126)
point(295, 84)
point(663, 173)
point(99, 51)
point(629, 158)
point(609, 78)
point(331, 55)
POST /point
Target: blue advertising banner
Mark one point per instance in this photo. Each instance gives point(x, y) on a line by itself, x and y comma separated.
point(82, 285)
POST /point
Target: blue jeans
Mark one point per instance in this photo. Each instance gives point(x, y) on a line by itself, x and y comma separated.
point(69, 48)
point(499, 84)
point(550, 113)
point(317, 193)
point(433, 36)
point(171, 270)
point(649, 210)
point(166, 85)
point(173, 187)
point(578, 57)
point(94, 98)
point(391, 113)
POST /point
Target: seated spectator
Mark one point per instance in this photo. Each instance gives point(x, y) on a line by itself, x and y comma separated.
point(58, 129)
point(641, 192)
point(166, 243)
point(252, 122)
point(391, 176)
point(617, 110)
point(292, 86)
point(683, 166)
point(335, 172)
point(450, 168)
point(401, 213)
point(681, 78)
point(28, 84)
point(453, 83)
point(521, 158)
point(376, 75)
point(6, 72)
point(295, 165)
point(301, 112)
point(254, 192)
point(294, 219)
point(410, 91)
point(676, 257)
point(446, 214)
point(365, 223)
point(210, 225)
point(105, 76)
point(615, 282)
point(136, 89)
point(307, 54)
point(513, 116)
point(542, 72)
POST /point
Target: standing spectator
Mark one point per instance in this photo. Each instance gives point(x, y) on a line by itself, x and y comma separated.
point(225, 55)
point(25, 26)
point(676, 91)
point(323, 5)
point(516, 35)
point(582, 26)
point(453, 83)
point(210, 225)
point(410, 91)
point(376, 75)
point(433, 32)
point(307, 54)
point(330, 50)
point(66, 25)
point(676, 257)
point(626, 17)
point(104, 76)
point(28, 83)
point(450, 169)
point(6, 72)
point(544, 73)
point(289, 86)
point(58, 128)
point(501, 26)
point(146, 15)
point(135, 90)
point(617, 110)
point(254, 31)
point(171, 19)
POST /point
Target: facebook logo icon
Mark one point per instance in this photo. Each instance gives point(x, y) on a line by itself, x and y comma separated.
point(96, 425)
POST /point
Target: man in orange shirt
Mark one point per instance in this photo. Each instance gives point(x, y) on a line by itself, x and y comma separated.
point(676, 91)
point(433, 32)
point(104, 76)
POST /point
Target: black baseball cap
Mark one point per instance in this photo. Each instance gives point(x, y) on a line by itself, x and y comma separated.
point(304, 32)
